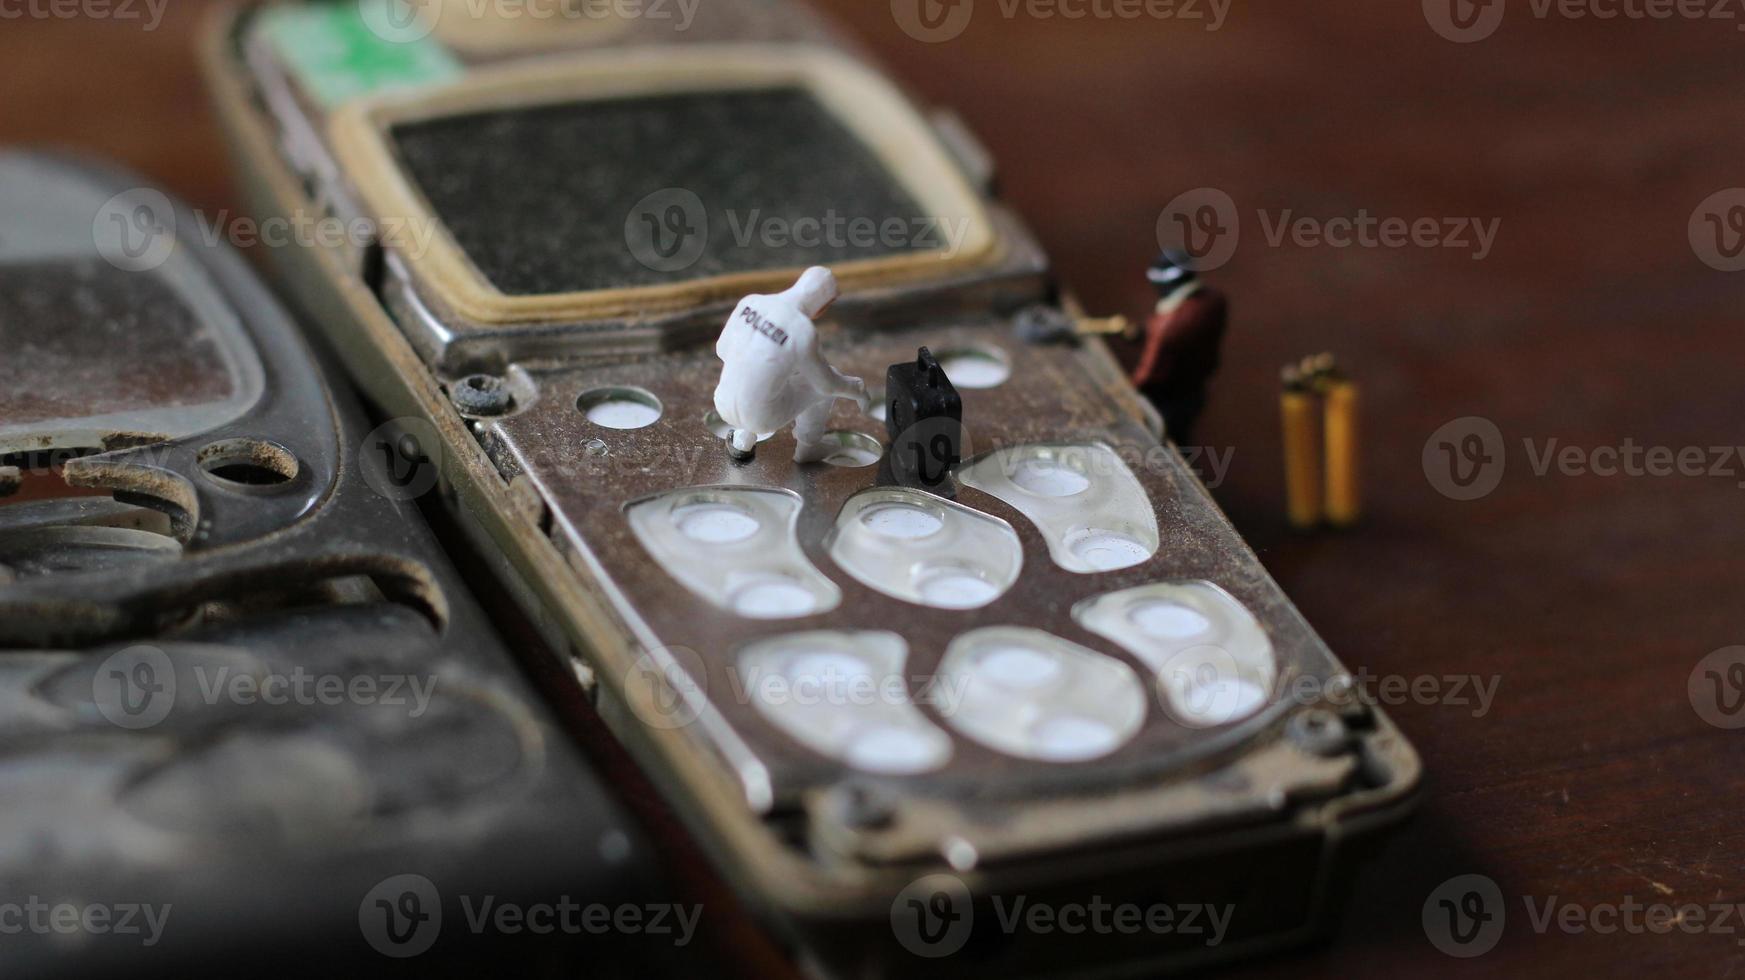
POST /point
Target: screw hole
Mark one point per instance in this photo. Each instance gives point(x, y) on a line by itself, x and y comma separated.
point(620, 408)
point(242, 463)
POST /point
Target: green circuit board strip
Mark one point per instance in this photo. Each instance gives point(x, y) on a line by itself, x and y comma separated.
point(342, 51)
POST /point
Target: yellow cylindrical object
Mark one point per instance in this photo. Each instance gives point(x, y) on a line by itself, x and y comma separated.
point(1344, 495)
point(1302, 448)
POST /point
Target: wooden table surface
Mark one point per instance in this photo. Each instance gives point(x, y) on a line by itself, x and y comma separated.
point(1587, 600)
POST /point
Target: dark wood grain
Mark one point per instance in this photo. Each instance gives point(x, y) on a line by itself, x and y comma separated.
point(1588, 599)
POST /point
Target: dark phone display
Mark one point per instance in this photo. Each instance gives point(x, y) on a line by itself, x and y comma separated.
point(659, 189)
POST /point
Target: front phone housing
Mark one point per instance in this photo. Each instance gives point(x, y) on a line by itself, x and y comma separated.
point(1062, 680)
point(250, 710)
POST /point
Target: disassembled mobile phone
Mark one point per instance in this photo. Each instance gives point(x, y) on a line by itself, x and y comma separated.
point(1097, 687)
point(248, 709)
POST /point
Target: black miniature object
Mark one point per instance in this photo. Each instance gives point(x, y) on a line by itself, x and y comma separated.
point(924, 417)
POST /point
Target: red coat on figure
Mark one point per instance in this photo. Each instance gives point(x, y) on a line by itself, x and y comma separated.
point(1179, 351)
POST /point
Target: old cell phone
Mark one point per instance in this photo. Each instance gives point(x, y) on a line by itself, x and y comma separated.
point(250, 713)
point(1054, 676)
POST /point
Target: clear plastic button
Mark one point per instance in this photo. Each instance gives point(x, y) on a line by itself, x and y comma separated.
point(1049, 478)
point(773, 597)
point(1211, 659)
point(905, 520)
point(736, 547)
point(714, 523)
point(925, 550)
point(843, 695)
point(1165, 620)
point(1034, 695)
point(1089, 506)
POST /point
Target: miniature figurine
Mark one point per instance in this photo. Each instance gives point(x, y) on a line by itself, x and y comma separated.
point(1181, 343)
point(773, 372)
point(925, 423)
point(1300, 421)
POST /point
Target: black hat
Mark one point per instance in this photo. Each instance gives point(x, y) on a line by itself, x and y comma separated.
point(1171, 270)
